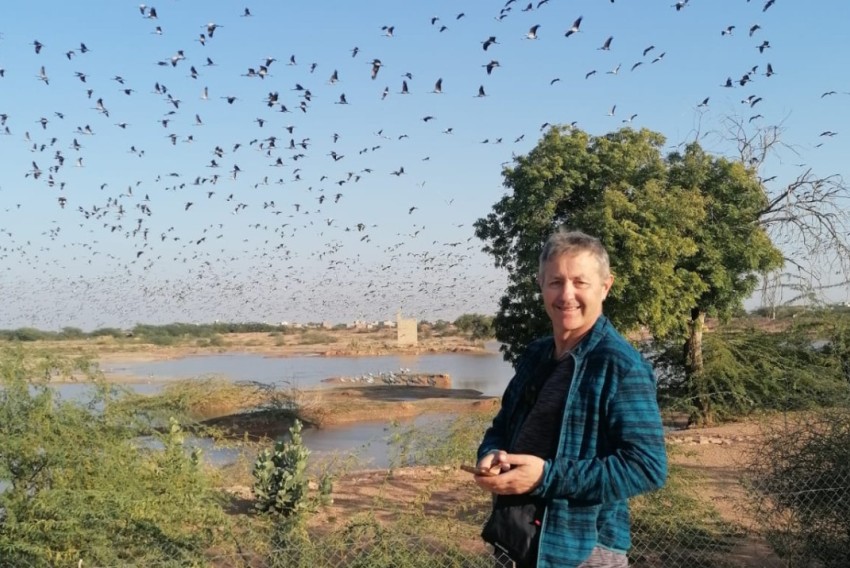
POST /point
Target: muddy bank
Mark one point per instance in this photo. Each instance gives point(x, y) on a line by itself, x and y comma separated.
point(339, 404)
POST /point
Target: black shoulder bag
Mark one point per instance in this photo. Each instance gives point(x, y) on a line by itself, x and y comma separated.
point(514, 527)
point(514, 524)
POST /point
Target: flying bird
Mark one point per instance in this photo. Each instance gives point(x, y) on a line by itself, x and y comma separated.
point(574, 28)
point(490, 66)
point(532, 32)
point(376, 66)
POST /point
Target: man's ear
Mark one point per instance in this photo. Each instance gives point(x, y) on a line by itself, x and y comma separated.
point(607, 283)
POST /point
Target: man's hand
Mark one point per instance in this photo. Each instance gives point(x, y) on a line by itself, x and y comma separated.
point(521, 473)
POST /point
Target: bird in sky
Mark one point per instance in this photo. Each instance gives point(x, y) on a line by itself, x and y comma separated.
point(183, 151)
point(376, 66)
point(574, 28)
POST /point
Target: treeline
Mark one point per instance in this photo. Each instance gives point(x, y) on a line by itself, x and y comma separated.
point(476, 325)
point(174, 330)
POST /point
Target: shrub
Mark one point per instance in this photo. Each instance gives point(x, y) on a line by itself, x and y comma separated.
point(80, 487)
point(71, 333)
point(29, 334)
point(280, 476)
point(800, 476)
point(108, 332)
point(749, 370)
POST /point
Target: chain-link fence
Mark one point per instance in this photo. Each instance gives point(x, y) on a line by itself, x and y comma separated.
point(792, 488)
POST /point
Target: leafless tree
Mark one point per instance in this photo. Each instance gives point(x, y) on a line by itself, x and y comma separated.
point(807, 217)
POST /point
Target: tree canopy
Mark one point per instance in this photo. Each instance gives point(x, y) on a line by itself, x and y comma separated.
point(682, 230)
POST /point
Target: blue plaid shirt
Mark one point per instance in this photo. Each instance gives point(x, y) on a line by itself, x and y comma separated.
point(610, 448)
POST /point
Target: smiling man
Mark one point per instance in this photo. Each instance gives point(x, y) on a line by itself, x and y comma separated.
point(578, 432)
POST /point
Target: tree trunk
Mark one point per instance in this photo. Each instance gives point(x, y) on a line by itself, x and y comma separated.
point(695, 370)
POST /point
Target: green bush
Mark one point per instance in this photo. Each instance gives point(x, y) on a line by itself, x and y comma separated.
point(804, 366)
point(71, 333)
point(108, 332)
point(29, 334)
point(81, 487)
point(280, 476)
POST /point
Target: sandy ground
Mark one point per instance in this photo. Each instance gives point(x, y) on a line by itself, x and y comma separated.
point(715, 454)
point(330, 343)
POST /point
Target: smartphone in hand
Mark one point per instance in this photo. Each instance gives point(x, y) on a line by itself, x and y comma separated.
point(479, 471)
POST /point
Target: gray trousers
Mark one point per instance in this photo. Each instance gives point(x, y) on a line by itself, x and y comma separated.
point(599, 558)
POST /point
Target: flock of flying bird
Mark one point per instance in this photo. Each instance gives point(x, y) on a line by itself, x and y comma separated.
point(277, 222)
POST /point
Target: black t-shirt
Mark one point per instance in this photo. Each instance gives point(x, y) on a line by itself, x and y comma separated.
point(540, 430)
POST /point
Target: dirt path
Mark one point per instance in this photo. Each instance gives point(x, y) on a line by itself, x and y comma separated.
point(718, 456)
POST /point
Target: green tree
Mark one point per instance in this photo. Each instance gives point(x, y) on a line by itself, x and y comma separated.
point(478, 326)
point(733, 249)
point(681, 230)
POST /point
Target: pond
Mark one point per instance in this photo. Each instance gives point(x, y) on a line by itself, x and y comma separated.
point(486, 372)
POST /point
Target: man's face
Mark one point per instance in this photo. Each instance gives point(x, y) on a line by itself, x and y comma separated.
point(573, 289)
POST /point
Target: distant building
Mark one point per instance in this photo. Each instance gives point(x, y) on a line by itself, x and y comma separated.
point(407, 332)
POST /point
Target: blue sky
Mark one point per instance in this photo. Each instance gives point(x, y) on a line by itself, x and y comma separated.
point(330, 238)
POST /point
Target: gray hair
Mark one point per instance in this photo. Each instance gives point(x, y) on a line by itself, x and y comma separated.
point(563, 242)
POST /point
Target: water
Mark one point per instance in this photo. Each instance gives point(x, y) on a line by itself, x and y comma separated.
point(487, 373)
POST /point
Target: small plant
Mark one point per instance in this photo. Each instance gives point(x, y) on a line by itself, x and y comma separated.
point(280, 478)
point(326, 488)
